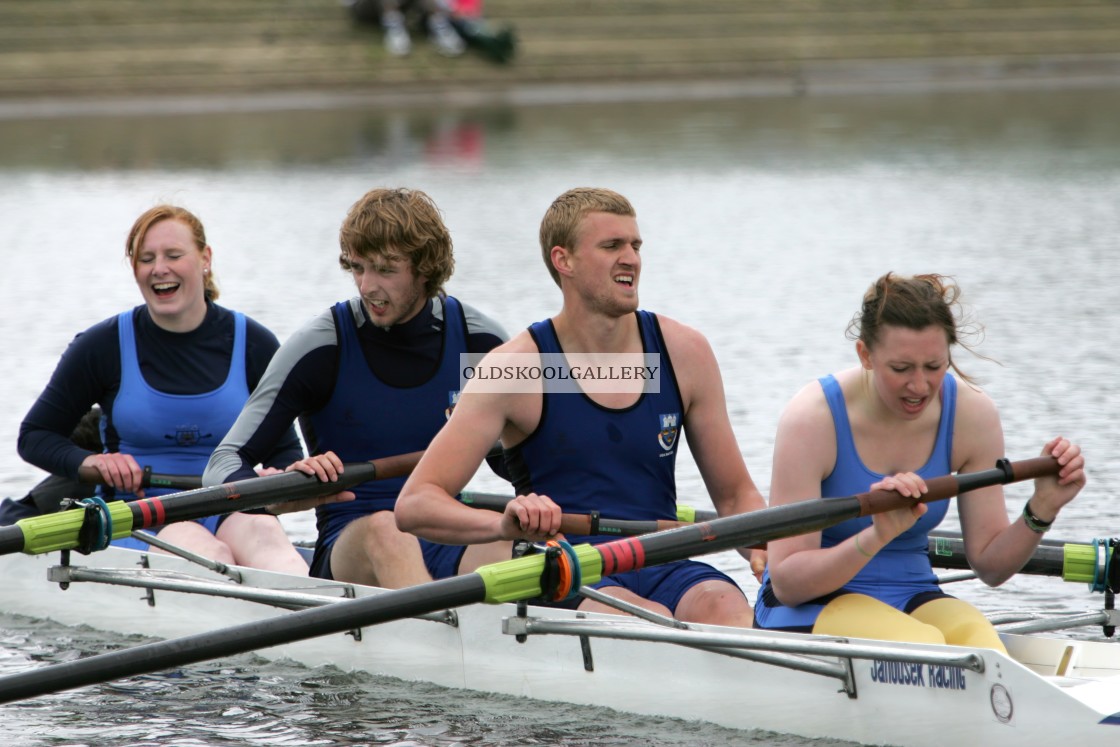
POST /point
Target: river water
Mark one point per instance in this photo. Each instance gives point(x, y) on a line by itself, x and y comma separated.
point(764, 220)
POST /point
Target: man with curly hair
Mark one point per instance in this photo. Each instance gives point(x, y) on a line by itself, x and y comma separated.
point(373, 376)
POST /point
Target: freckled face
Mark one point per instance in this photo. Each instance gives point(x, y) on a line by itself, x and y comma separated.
point(907, 367)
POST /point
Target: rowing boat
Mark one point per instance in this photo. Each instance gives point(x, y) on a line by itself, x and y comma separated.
point(477, 632)
point(1047, 688)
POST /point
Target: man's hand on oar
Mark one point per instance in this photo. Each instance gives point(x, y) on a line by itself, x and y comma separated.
point(327, 467)
point(606, 526)
point(531, 517)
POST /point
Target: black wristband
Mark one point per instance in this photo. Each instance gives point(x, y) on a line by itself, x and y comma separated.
point(1035, 524)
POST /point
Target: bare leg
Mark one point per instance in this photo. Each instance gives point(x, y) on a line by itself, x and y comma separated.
point(716, 603)
point(589, 605)
point(196, 538)
point(372, 551)
point(259, 541)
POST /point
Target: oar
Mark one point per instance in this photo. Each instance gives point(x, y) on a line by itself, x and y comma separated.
point(1092, 562)
point(60, 531)
point(1095, 563)
point(594, 524)
point(507, 581)
point(90, 476)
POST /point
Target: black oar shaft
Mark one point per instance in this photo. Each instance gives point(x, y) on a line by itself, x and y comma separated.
point(755, 528)
point(285, 628)
point(583, 524)
point(948, 552)
point(60, 531)
point(728, 533)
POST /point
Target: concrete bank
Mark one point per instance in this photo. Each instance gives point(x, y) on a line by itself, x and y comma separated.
point(89, 56)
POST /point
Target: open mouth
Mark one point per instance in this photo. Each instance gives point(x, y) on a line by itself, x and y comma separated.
point(627, 280)
point(162, 290)
point(913, 404)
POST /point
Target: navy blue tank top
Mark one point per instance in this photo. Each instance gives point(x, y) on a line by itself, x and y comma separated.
point(369, 419)
point(587, 457)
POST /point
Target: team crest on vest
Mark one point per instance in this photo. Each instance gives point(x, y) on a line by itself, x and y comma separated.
point(670, 427)
point(452, 400)
point(186, 435)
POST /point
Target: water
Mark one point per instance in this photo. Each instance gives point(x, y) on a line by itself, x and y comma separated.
point(764, 220)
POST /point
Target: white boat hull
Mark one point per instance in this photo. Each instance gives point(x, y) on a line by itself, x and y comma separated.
point(1055, 689)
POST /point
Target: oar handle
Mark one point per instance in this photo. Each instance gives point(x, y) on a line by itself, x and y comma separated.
point(90, 476)
point(393, 466)
point(940, 488)
point(259, 492)
point(585, 524)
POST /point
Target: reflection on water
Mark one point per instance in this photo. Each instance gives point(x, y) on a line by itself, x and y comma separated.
point(791, 133)
point(764, 220)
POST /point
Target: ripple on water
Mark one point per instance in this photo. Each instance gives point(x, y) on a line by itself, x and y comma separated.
point(247, 701)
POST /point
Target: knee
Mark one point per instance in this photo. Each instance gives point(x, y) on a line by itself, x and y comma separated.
point(260, 530)
point(381, 529)
point(382, 523)
point(716, 606)
point(976, 634)
point(215, 550)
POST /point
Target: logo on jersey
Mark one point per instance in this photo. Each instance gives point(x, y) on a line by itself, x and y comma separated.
point(452, 400)
point(670, 427)
point(187, 435)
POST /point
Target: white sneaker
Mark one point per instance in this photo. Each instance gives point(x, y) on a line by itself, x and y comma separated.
point(446, 39)
point(397, 41)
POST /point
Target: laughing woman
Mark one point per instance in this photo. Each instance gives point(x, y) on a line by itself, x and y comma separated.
point(893, 421)
point(171, 376)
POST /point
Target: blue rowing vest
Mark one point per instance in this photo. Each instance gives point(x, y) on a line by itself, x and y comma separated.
point(369, 419)
point(587, 457)
point(174, 433)
point(899, 571)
